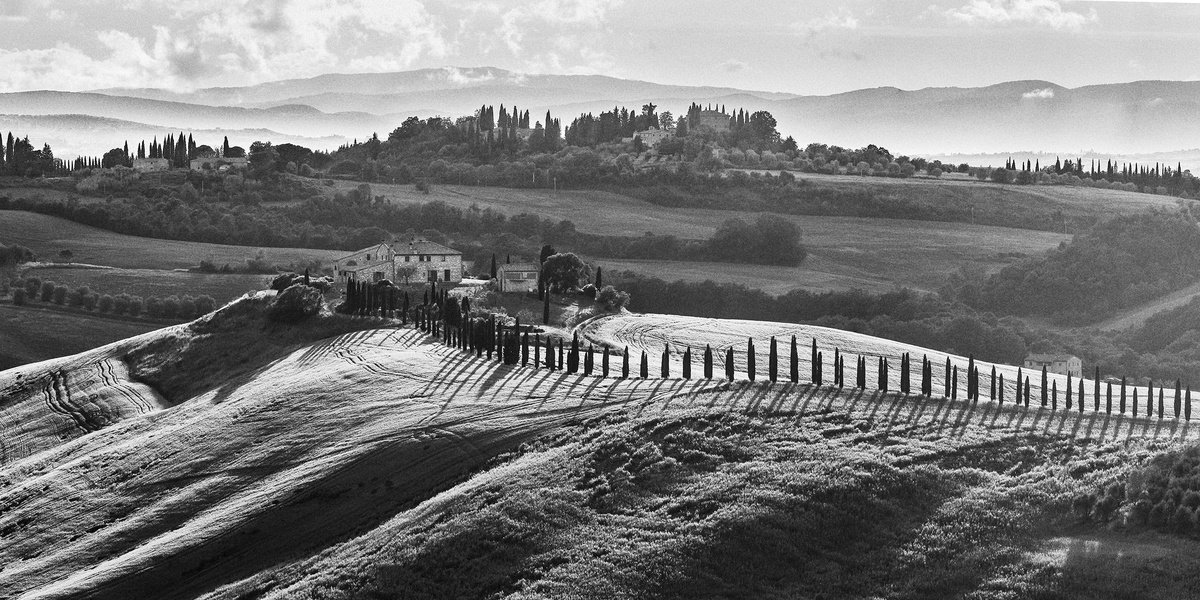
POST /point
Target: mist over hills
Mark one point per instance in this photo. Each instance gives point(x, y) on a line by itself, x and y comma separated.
point(1125, 119)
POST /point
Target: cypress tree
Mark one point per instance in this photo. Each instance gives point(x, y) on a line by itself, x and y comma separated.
point(1096, 392)
point(750, 358)
point(926, 376)
point(573, 355)
point(645, 372)
point(1187, 403)
point(549, 354)
point(537, 349)
point(970, 377)
point(947, 380)
point(1068, 397)
point(604, 363)
point(837, 357)
point(687, 363)
point(494, 271)
point(1054, 395)
point(1000, 389)
point(599, 279)
point(1178, 400)
point(666, 362)
point(729, 363)
point(954, 384)
point(546, 308)
point(525, 349)
point(1161, 407)
point(1122, 395)
point(813, 361)
point(1044, 386)
point(862, 373)
point(795, 364)
point(904, 374)
point(708, 362)
point(773, 366)
point(1135, 403)
point(625, 364)
point(558, 361)
point(841, 371)
point(820, 369)
point(881, 376)
point(1150, 399)
point(992, 394)
point(1108, 399)
point(1026, 391)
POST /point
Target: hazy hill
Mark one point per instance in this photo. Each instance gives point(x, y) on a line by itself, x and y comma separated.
point(238, 458)
point(1126, 118)
point(71, 135)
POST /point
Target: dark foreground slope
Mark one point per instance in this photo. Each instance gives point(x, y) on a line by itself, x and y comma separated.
point(379, 464)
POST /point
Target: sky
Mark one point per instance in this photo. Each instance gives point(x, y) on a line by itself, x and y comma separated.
point(793, 46)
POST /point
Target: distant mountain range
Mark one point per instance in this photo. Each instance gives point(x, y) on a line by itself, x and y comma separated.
point(1138, 118)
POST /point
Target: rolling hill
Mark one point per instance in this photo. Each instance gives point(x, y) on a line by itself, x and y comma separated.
point(236, 458)
point(1120, 120)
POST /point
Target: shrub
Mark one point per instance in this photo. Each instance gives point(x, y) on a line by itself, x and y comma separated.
point(47, 291)
point(60, 294)
point(78, 296)
point(205, 304)
point(283, 281)
point(589, 290)
point(32, 286)
point(89, 301)
point(170, 306)
point(135, 306)
point(295, 303)
point(154, 306)
point(121, 304)
point(18, 296)
point(106, 303)
point(187, 307)
point(612, 299)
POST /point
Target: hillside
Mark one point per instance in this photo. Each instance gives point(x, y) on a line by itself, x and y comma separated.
point(378, 463)
point(1131, 118)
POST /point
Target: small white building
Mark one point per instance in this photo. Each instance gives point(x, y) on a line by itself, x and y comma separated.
point(151, 165)
point(1063, 364)
point(218, 164)
point(517, 277)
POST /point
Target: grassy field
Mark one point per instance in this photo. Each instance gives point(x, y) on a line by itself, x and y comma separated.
point(47, 235)
point(28, 334)
point(422, 473)
point(154, 282)
point(844, 252)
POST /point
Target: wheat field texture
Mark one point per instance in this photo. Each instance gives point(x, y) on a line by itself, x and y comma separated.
point(233, 457)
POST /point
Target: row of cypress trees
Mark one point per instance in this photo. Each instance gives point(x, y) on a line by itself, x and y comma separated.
point(513, 345)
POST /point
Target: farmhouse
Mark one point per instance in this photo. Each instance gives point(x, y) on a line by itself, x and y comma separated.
point(1063, 364)
point(517, 277)
point(150, 165)
point(419, 260)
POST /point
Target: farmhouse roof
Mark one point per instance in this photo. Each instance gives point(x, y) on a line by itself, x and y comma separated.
point(518, 266)
point(422, 247)
point(1049, 358)
point(362, 250)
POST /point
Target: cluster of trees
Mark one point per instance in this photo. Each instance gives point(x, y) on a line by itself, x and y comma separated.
point(1118, 263)
point(19, 158)
point(1165, 495)
point(610, 126)
point(1156, 179)
point(171, 307)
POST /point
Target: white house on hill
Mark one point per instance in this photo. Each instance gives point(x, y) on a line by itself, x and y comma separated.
point(517, 277)
point(1063, 364)
point(416, 261)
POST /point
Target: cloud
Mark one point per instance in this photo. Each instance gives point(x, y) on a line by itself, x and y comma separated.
point(733, 66)
point(1044, 13)
point(842, 18)
point(1039, 94)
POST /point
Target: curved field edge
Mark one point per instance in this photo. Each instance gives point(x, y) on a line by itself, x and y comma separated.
point(380, 462)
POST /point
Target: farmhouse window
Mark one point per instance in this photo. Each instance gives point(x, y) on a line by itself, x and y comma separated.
point(407, 258)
